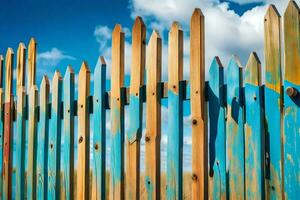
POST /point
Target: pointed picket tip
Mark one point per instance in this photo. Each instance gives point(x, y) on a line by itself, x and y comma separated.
point(21, 47)
point(236, 61)
point(175, 26)
point(197, 13)
point(272, 12)
point(69, 70)
point(155, 35)
point(56, 76)
point(45, 81)
point(117, 29)
point(138, 24)
point(9, 52)
point(291, 8)
point(216, 63)
point(253, 70)
point(84, 68)
point(32, 42)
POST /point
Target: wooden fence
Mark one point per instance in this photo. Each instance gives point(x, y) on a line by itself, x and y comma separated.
point(245, 128)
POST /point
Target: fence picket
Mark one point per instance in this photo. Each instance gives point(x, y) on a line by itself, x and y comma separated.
point(83, 168)
point(68, 136)
point(217, 131)
point(134, 132)
point(175, 114)
point(31, 64)
point(1, 123)
point(99, 136)
point(55, 139)
point(42, 141)
point(273, 102)
point(153, 118)
point(8, 126)
point(198, 107)
point(32, 143)
point(117, 116)
point(291, 101)
point(21, 126)
point(254, 159)
point(235, 129)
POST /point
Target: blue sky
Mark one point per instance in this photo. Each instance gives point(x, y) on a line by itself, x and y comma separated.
point(71, 31)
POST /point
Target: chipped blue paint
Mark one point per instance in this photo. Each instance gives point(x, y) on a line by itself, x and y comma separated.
point(253, 143)
point(54, 141)
point(99, 130)
point(273, 136)
point(235, 130)
point(117, 143)
point(217, 131)
point(175, 144)
point(42, 147)
point(135, 109)
point(20, 145)
point(291, 143)
point(68, 136)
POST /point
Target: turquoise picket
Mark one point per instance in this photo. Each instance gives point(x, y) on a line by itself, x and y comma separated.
point(217, 131)
point(235, 129)
point(175, 114)
point(55, 139)
point(254, 159)
point(42, 140)
point(99, 138)
point(20, 144)
point(68, 135)
point(291, 144)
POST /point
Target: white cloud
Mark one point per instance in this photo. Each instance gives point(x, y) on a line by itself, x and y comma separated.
point(242, 2)
point(52, 57)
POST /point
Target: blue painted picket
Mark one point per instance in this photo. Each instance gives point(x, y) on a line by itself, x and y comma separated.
point(235, 129)
point(42, 144)
point(217, 131)
point(99, 137)
point(67, 181)
point(291, 135)
point(254, 134)
point(55, 139)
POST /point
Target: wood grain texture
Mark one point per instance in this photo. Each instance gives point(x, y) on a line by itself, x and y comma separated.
point(291, 103)
point(273, 102)
point(198, 107)
point(99, 137)
point(8, 126)
point(175, 114)
point(153, 118)
point(42, 140)
point(67, 183)
point(54, 147)
point(32, 143)
point(117, 116)
point(134, 132)
point(83, 166)
point(217, 131)
point(235, 130)
point(21, 126)
point(31, 73)
point(254, 133)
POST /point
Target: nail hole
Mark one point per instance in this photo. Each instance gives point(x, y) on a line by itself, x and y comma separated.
point(136, 94)
point(51, 146)
point(81, 106)
point(96, 146)
point(147, 138)
point(153, 93)
point(80, 139)
point(196, 91)
point(148, 182)
point(194, 122)
point(97, 100)
point(174, 86)
point(68, 111)
point(118, 99)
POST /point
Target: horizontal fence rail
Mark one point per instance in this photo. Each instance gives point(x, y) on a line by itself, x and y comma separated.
point(244, 125)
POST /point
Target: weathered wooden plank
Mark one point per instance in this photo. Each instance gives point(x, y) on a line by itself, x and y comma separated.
point(117, 116)
point(198, 107)
point(99, 136)
point(1, 136)
point(68, 136)
point(32, 143)
point(273, 102)
point(8, 128)
point(55, 139)
point(153, 118)
point(175, 114)
point(291, 101)
point(21, 126)
point(31, 73)
point(217, 131)
point(83, 133)
point(235, 130)
point(42, 141)
point(134, 132)
point(254, 151)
